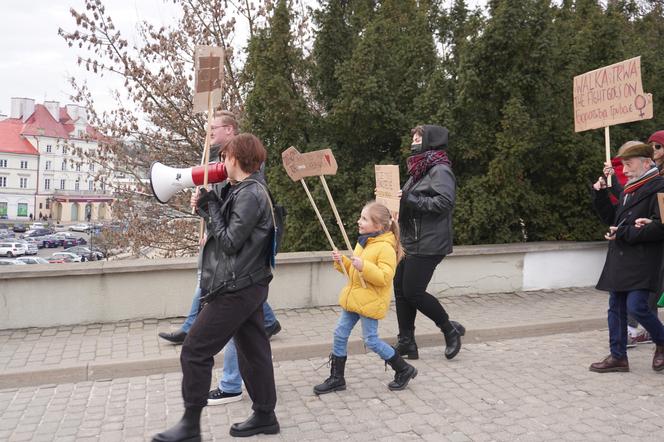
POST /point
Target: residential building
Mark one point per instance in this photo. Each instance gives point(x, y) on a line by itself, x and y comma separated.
point(59, 179)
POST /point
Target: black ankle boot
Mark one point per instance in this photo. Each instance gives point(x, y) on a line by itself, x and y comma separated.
point(259, 422)
point(187, 430)
point(336, 381)
point(453, 332)
point(406, 346)
point(403, 372)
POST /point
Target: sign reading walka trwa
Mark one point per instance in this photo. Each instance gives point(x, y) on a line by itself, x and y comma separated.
point(610, 95)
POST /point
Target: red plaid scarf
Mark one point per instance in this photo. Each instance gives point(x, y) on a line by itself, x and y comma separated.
point(419, 164)
point(651, 174)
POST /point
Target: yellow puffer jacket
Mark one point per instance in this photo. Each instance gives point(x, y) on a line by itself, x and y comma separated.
point(380, 262)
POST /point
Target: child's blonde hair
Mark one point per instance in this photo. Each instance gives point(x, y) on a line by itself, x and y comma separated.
point(381, 216)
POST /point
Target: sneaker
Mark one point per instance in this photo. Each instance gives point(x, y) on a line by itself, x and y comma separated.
point(642, 338)
point(273, 329)
point(218, 397)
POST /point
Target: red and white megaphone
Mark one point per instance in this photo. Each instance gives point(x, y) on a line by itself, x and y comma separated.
point(167, 181)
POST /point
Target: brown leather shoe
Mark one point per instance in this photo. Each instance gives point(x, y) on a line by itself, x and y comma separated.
point(658, 358)
point(610, 364)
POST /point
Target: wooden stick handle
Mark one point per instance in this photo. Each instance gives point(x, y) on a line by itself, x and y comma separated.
point(322, 223)
point(205, 160)
point(607, 146)
point(339, 222)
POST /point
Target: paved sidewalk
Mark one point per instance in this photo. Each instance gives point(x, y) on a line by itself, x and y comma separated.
point(529, 389)
point(123, 349)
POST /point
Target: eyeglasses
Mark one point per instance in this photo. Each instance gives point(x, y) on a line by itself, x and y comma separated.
point(657, 146)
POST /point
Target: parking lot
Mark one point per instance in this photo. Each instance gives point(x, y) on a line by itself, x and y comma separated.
point(81, 239)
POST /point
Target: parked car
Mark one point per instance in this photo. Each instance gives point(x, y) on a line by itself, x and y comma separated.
point(72, 242)
point(19, 228)
point(32, 260)
point(11, 249)
point(30, 247)
point(58, 259)
point(36, 241)
point(37, 225)
point(81, 227)
point(73, 256)
point(34, 233)
point(49, 242)
point(86, 252)
point(10, 262)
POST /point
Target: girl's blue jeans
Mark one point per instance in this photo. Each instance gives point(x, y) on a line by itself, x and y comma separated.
point(345, 325)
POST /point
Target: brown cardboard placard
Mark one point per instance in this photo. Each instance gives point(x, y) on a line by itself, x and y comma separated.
point(388, 187)
point(660, 201)
point(209, 77)
point(611, 95)
point(301, 165)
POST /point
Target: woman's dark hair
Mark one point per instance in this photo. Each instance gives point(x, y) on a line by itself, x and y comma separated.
point(419, 130)
point(247, 150)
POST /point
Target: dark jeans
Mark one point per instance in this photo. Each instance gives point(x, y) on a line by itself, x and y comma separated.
point(410, 291)
point(236, 315)
point(652, 304)
point(635, 303)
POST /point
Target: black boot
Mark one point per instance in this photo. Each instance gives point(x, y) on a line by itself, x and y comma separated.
point(259, 422)
point(336, 381)
point(187, 430)
point(175, 337)
point(406, 346)
point(403, 372)
point(453, 332)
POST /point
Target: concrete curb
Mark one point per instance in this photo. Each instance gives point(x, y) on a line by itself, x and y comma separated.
point(95, 371)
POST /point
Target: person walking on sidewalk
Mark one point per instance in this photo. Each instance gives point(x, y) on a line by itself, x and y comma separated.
point(425, 219)
point(634, 256)
point(223, 128)
point(375, 258)
point(235, 275)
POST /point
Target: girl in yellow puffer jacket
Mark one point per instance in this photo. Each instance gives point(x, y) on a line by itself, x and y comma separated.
point(375, 258)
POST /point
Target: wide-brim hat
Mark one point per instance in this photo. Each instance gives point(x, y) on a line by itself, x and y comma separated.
point(637, 150)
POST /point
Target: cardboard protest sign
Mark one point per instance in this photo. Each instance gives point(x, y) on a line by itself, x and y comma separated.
point(301, 165)
point(209, 78)
point(660, 201)
point(611, 95)
point(387, 186)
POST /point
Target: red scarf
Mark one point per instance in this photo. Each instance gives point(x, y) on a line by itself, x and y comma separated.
point(420, 164)
point(650, 175)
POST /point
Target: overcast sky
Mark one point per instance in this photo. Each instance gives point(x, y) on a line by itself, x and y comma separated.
point(35, 62)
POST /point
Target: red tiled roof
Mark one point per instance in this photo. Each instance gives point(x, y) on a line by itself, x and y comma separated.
point(11, 140)
point(42, 123)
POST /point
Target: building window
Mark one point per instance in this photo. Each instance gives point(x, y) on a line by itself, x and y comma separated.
point(22, 209)
point(24, 164)
point(48, 165)
point(24, 183)
point(48, 148)
point(103, 186)
point(48, 204)
point(91, 185)
point(64, 165)
point(92, 167)
point(76, 185)
point(3, 181)
point(62, 184)
point(78, 167)
point(40, 205)
point(3, 209)
point(3, 163)
point(47, 184)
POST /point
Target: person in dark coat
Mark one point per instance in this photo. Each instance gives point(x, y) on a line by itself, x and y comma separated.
point(631, 270)
point(235, 275)
point(425, 220)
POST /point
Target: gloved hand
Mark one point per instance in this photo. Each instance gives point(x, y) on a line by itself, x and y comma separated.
point(204, 197)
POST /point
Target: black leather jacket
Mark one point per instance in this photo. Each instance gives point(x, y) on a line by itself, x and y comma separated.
point(240, 228)
point(425, 215)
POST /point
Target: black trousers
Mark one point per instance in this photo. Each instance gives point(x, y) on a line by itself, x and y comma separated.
point(410, 291)
point(238, 315)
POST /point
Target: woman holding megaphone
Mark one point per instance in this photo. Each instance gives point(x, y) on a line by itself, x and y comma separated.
point(235, 276)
